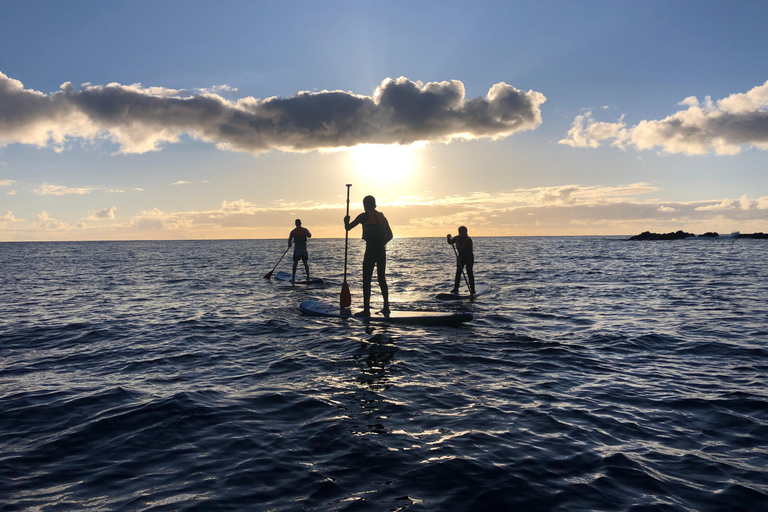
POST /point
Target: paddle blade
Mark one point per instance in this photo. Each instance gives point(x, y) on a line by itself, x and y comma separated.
point(345, 300)
point(268, 275)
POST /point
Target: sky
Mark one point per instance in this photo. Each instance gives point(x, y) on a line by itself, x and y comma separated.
point(149, 120)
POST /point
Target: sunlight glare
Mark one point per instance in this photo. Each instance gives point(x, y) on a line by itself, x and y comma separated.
point(382, 164)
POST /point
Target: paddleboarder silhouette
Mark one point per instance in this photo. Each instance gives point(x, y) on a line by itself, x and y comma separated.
point(298, 237)
point(465, 257)
point(376, 233)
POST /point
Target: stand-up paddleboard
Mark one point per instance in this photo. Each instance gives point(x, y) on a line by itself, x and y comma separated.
point(286, 276)
point(394, 317)
point(480, 289)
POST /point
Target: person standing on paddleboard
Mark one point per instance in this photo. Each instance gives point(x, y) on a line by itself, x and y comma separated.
point(465, 257)
point(376, 233)
point(299, 237)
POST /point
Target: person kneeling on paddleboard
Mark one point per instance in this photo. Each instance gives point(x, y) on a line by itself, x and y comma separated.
point(376, 233)
point(299, 236)
point(465, 257)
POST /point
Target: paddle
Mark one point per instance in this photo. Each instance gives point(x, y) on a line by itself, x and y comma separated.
point(345, 300)
point(471, 295)
point(269, 274)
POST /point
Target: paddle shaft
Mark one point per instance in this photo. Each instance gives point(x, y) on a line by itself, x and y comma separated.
point(345, 298)
point(346, 236)
point(471, 295)
point(269, 274)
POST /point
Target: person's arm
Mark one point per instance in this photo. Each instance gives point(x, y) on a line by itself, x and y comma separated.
point(309, 235)
point(390, 236)
point(355, 222)
point(290, 238)
point(450, 239)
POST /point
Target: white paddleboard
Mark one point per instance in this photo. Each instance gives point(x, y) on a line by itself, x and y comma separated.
point(480, 289)
point(394, 317)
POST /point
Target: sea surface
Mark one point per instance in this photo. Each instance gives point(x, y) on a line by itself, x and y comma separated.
point(598, 374)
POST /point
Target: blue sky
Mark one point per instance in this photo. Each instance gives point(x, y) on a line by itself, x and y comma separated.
point(187, 119)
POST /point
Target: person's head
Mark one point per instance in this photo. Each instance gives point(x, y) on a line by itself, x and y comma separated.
point(369, 203)
point(298, 222)
point(462, 230)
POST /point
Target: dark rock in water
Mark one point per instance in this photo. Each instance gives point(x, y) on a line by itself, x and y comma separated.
point(710, 234)
point(647, 235)
point(760, 235)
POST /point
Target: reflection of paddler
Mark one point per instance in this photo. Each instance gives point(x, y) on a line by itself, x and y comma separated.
point(376, 233)
point(299, 237)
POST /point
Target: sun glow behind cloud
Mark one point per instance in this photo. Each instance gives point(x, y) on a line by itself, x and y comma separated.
point(386, 167)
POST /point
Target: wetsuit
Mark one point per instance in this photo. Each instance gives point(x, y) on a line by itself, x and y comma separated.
point(299, 237)
point(466, 258)
point(376, 233)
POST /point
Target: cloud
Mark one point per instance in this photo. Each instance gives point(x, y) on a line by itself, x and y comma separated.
point(744, 203)
point(44, 222)
point(46, 189)
point(6, 183)
point(106, 213)
point(181, 182)
point(566, 209)
point(9, 217)
point(141, 119)
point(588, 133)
point(724, 127)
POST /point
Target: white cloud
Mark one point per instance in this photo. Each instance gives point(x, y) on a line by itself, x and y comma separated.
point(6, 183)
point(11, 192)
point(745, 202)
point(181, 182)
point(723, 127)
point(106, 213)
point(585, 132)
point(45, 222)
point(46, 189)
point(725, 204)
point(9, 217)
point(141, 119)
point(566, 209)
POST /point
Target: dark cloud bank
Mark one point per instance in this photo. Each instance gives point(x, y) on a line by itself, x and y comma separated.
point(140, 119)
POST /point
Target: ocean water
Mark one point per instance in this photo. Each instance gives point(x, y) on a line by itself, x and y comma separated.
point(598, 374)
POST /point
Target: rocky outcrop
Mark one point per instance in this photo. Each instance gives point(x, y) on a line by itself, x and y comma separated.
point(751, 235)
point(677, 235)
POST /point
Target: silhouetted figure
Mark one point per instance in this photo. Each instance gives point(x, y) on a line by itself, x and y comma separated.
point(376, 233)
point(465, 257)
point(299, 236)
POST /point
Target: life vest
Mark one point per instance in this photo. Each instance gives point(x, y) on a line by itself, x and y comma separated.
point(464, 246)
point(300, 239)
point(375, 228)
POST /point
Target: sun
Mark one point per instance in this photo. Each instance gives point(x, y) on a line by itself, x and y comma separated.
point(382, 164)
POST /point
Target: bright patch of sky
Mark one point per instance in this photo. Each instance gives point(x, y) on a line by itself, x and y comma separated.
point(202, 119)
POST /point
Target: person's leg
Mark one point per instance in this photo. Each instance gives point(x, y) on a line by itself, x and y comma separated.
point(295, 264)
point(304, 258)
point(368, 263)
point(471, 276)
point(457, 280)
point(381, 273)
